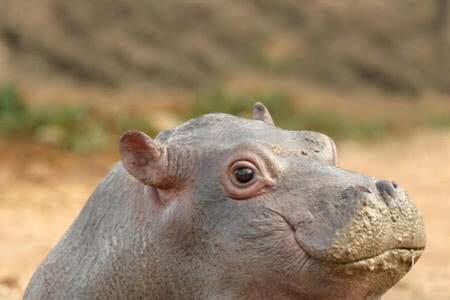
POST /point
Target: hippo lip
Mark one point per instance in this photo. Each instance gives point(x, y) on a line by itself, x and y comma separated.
point(385, 261)
point(389, 259)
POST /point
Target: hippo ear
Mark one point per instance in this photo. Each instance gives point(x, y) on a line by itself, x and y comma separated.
point(260, 112)
point(145, 159)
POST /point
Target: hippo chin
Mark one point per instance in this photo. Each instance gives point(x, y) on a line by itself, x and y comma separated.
point(228, 208)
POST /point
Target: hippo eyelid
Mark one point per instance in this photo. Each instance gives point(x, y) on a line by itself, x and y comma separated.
point(260, 155)
point(255, 159)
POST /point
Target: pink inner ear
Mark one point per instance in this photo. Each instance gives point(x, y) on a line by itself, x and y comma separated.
point(147, 160)
point(139, 145)
point(137, 151)
point(135, 140)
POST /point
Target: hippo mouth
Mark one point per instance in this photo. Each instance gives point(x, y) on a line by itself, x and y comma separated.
point(398, 260)
point(389, 260)
point(374, 275)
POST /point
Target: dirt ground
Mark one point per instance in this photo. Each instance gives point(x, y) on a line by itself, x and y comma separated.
point(42, 190)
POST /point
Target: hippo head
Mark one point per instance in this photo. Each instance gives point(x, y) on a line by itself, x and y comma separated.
point(247, 210)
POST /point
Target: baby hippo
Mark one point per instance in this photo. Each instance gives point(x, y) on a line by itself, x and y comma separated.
point(228, 208)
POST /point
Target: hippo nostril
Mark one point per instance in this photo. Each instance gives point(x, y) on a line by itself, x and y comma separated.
point(387, 190)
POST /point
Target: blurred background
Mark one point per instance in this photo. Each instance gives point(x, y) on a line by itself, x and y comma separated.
point(374, 75)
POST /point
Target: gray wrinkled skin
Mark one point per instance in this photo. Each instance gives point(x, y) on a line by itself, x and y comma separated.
point(319, 232)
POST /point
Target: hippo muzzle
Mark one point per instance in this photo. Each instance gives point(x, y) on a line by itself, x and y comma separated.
point(355, 224)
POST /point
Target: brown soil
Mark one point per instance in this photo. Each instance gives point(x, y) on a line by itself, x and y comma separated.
point(42, 190)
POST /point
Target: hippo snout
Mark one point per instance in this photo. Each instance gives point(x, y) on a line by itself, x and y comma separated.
point(363, 221)
point(388, 191)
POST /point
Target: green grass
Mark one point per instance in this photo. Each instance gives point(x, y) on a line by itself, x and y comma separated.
point(220, 101)
point(84, 129)
point(76, 128)
point(287, 115)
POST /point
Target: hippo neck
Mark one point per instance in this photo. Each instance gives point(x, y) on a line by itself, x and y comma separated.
point(110, 244)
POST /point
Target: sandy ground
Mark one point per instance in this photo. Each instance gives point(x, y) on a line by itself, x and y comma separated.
point(42, 190)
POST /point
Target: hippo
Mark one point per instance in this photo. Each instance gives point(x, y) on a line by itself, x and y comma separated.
point(223, 207)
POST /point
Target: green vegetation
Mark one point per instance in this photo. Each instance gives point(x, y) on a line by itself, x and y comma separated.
point(336, 125)
point(74, 128)
point(220, 101)
point(84, 129)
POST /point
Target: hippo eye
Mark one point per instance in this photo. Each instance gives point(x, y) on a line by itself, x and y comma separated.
point(244, 174)
point(246, 179)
